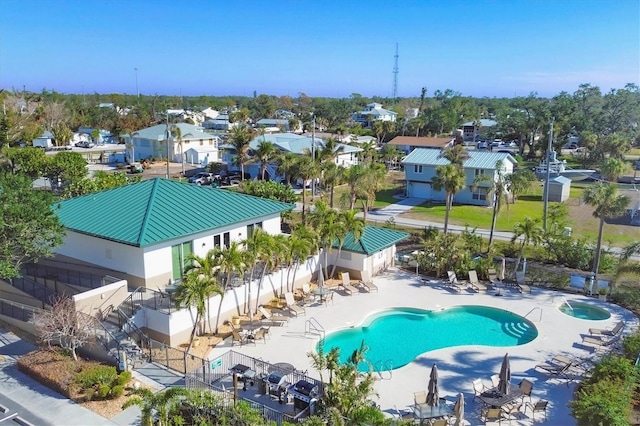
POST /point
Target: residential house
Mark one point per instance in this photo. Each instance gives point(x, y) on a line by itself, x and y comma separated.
point(152, 226)
point(210, 113)
point(288, 143)
point(471, 130)
point(407, 144)
point(273, 125)
point(373, 112)
point(420, 169)
point(221, 122)
point(152, 143)
point(45, 140)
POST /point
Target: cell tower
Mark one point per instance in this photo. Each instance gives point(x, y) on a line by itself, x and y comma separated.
point(395, 75)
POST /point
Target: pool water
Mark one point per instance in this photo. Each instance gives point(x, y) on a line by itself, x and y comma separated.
point(397, 336)
point(584, 311)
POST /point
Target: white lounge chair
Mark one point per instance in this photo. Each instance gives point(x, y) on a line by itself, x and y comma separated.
point(346, 284)
point(475, 283)
point(520, 283)
point(292, 306)
point(272, 319)
point(453, 281)
point(608, 332)
point(367, 282)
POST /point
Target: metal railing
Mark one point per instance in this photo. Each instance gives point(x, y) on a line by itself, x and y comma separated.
point(537, 308)
point(35, 289)
point(149, 298)
point(17, 310)
point(107, 340)
point(64, 276)
point(385, 367)
point(312, 326)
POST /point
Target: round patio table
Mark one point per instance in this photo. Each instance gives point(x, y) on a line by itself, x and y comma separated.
point(322, 292)
point(283, 367)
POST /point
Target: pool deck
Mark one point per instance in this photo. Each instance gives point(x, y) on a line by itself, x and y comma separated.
point(558, 334)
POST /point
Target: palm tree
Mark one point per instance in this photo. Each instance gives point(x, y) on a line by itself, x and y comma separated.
point(449, 178)
point(329, 226)
point(612, 168)
point(302, 243)
point(456, 155)
point(520, 182)
point(194, 290)
point(176, 132)
point(264, 153)
point(163, 404)
point(287, 165)
point(531, 233)
point(231, 261)
point(306, 170)
point(497, 190)
point(259, 249)
point(608, 203)
point(368, 185)
point(625, 267)
point(207, 269)
point(353, 225)
point(332, 175)
point(240, 137)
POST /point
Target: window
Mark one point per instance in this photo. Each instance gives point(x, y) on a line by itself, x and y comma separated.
point(417, 168)
point(216, 241)
point(179, 259)
point(479, 172)
point(226, 240)
point(480, 194)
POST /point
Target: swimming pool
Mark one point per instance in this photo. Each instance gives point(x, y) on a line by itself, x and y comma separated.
point(395, 337)
point(584, 311)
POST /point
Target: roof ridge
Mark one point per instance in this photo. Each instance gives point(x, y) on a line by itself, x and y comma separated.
point(147, 213)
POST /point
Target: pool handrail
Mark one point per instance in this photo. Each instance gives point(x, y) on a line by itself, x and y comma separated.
point(537, 308)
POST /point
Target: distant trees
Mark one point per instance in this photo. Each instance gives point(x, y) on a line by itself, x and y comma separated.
point(29, 227)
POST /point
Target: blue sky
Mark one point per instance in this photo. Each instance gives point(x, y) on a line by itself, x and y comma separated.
point(331, 48)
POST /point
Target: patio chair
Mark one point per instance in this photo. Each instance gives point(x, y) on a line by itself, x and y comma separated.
point(272, 319)
point(526, 386)
point(495, 381)
point(307, 297)
point(521, 284)
point(511, 410)
point(608, 332)
point(475, 283)
point(478, 388)
point(439, 422)
point(328, 298)
point(453, 281)
point(540, 405)
point(419, 397)
point(491, 415)
point(236, 337)
point(292, 306)
point(367, 283)
point(346, 284)
point(259, 334)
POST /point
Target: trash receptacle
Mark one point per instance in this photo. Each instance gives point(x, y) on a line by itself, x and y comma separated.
point(262, 385)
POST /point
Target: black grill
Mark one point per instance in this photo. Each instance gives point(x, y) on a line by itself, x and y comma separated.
point(303, 393)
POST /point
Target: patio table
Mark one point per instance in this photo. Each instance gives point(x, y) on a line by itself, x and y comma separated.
point(497, 400)
point(426, 411)
point(322, 292)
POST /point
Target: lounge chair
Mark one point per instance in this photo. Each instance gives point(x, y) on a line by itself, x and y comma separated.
point(346, 284)
point(292, 306)
point(600, 343)
point(236, 337)
point(367, 283)
point(493, 277)
point(558, 365)
point(608, 332)
point(453, 281)
point(475, 283)
point(272, 319)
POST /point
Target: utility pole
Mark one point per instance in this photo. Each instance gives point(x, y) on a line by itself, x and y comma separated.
point(548, 175)
point(313, 155)
point(167, 135)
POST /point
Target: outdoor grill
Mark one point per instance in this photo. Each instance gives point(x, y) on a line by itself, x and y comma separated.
point(304, 394)
point(276, 384)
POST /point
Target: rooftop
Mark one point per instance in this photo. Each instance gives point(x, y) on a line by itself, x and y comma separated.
point(476, 160)
point(421, 141)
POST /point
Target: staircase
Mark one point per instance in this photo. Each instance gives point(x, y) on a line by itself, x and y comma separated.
point(118, 334)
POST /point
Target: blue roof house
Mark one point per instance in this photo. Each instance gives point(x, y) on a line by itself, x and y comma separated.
point(420, 169)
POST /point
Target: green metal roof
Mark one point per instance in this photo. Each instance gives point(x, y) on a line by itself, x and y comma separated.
point(373, 240)
point(157, 210)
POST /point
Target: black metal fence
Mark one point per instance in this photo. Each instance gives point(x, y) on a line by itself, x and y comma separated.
point(17, 310)
point(63, 275)
point(35, 289)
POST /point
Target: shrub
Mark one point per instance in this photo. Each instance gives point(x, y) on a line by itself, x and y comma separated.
point(103, 391)
point(606, 402)
point(117, 391)
point(96, 376)
point(613, 368)
point(631, 346)
point(627, 297)
point(123, 378)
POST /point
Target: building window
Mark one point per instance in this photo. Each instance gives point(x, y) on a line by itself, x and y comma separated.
point(479, 172)
point(480, 194)
point(216, 241)
point(226, 240)
point(179, 259)
point(201, 142)
point(417, 168)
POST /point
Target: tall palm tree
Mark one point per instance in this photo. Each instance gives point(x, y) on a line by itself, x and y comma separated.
point(449, 178)
point(608, 203)
point(456, 155)
point(259, 249)
point(194, 290)
point(207, 269)
point(329, 226)
point(332, 175)
point(231, 261)
point(240, 137)
point(176, 132)
point(264, 153)
point(163, 404)
point(353, 225)
point(306, 170)
point(531, 233)
point(287, 165)
point(368, 185)
point(497, 190)
point(302, 243)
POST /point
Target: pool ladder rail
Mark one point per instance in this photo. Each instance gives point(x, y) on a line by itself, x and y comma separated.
point(384, 367)
point(312, 326)
point(564, 301)
point(537, 308)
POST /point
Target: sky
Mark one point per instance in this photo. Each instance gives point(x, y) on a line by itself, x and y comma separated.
point(323, 48)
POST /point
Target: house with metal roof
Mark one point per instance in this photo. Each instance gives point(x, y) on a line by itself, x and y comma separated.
point(409, 143)
point(156, 141)
point(288, 143)
point(472, 129)
point(145, 231)
point(420, 169)
point(375, 251)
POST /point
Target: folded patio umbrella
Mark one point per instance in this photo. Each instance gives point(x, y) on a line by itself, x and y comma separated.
point(458, 410)
point(432, 390)
point(503, 269)
point(320, 278)
point(504, 384)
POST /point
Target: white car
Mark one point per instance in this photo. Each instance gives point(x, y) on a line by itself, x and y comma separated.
point(201, 178)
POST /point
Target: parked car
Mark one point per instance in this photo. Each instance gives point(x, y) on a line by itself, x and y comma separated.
point(201, 178)
point(481, 145)
point(85, 144)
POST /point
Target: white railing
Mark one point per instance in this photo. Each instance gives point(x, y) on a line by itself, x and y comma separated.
point(312, 326)
point(539, 309)
point(563, 299)
point(385, 367)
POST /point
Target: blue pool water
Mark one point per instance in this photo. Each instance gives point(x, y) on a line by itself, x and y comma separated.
point(397, 336)
point(584, 311)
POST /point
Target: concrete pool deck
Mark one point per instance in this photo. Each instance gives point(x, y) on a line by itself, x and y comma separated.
point(558, 334)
